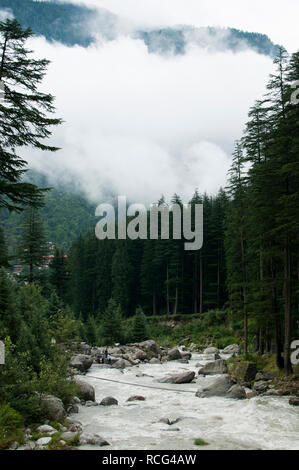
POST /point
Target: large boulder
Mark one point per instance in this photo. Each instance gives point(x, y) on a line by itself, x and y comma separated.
point(184, 378)
point(263, 375)
point(92, 439)
point(52, 408)
point(85, 390)
point(211, 350)
point(236, 391)
point(244, 371)
point(186, 355)
point(232, 349)
point(109, 401)
point(173, 354)
point(43, 442)
point(81, 362)
point(138, 354)
point(222, 386)
point(150, 347)
point(260, 387)
point(46, 429)
point(154, 360)
point(212, 368)
point(121, 364)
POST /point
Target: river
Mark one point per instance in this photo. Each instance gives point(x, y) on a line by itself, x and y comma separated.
point(256, 423)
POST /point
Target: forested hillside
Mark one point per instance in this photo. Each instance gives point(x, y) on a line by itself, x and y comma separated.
point(75, 24)
point(65, 215)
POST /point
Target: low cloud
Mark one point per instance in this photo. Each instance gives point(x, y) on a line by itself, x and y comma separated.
point(141, 124)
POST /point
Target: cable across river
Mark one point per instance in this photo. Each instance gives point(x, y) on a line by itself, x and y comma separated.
point(140, 385)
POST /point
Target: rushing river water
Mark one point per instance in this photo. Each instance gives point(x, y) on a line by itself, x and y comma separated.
point(256, 423)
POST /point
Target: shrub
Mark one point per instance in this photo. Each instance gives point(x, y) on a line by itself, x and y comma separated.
point(11, 423)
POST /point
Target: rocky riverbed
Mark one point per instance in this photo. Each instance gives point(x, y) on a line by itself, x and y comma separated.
point(150, 412)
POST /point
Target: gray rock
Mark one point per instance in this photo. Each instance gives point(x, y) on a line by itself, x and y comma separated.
point(121, 364)
point(85, 390)
point(109, 401)
point(260, 387)
point(30, 445)
point(218, 388)
point(232, 349)
point(186, 355)
point(82, 362)
point(264, 376)
point(211, 350)
point(173, 354)
point(43, 442)
point(185, 340)
point(212, 368)
point(46, 429)
point(154, 360)
point(73, 409)
point(184, 378)
point(136, 398)
point(76, 427)
point(52, 408)
point(92, 439)
point(68, 435)
point(236, 391)
point(150, 347)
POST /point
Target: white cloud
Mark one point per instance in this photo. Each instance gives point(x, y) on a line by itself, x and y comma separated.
point(140, 124)
point(279, 21)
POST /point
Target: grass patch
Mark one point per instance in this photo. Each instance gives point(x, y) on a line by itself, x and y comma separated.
point(11, 426)
point(200, 442)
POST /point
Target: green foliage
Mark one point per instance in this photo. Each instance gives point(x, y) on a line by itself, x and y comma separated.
point(139, 328)
point(24, 115)
point(112, 324)
point(11, 423)
point(200, 442)
point(53, 378)
point(63, 328)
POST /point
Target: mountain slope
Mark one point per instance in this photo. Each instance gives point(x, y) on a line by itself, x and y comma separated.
point(75, 24)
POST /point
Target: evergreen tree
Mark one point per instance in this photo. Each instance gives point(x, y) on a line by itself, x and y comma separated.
point(111, 327)
point(23, 115)
point(33, 248)
point(139, 329)
point(59, 275)
point(122, 275)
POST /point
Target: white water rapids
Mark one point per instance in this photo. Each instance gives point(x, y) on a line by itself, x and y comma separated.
point(256, 423)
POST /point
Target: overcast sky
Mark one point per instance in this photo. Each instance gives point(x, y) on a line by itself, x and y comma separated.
point(142, 125)
point(275, 18)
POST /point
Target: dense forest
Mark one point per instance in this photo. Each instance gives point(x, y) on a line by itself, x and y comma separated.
point(245, 277)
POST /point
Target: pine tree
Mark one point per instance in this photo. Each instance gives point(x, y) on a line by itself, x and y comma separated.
point(59, 275)
point(122, 275)
point(139, 329)
point(23, 115)
point(111, 327)
point(33, 247)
